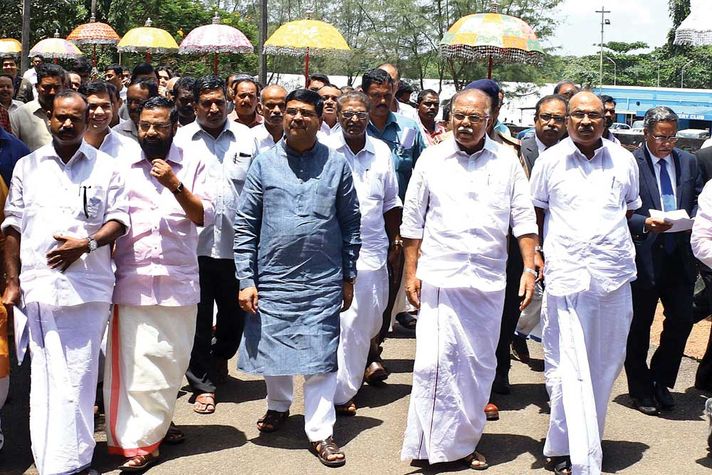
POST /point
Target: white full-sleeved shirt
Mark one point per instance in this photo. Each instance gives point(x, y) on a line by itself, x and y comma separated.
point(462, 207)
point(325, 131)
point(263, 139)
point(119, 146)
point(586, 235)
point(672, 173)
point(701, 239)
point(227, 158)
point(377, 190)
point(49, 197)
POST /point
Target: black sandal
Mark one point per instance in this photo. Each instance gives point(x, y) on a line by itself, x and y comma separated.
point(272, 421)
point(326, 448)
point(476, 461)
point(174, 435)
point(347, 409)
point(562, 465)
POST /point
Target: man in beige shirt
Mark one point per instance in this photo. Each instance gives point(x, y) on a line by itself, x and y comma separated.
point(30, 123)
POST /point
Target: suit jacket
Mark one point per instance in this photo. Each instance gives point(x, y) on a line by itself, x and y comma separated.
point(530, 152)
point(704, 163)
point(650, 253)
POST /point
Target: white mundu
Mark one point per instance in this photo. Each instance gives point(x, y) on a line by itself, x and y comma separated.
point(461, 206)
point(67, 312)
point(377, 190)
point(587, 309)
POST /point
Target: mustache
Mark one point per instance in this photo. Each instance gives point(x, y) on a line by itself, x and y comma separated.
point(467, 130)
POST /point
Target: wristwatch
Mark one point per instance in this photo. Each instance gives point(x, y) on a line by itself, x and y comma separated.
point(179, 188)
point(397, 243)
point(92, 244)
point(539, 249)
point(531, 271)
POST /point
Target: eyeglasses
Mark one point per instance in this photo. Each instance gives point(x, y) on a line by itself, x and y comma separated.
point(579, 115)
point(547, 117)
point(360, 115)
point(293, 111)
point(664, 139)
point(159, 126)
point(473, 118)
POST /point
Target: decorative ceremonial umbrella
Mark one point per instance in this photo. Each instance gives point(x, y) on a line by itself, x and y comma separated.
point(56, 48)
point(10, 46)
point(147, 39)
point(215, 38)
point(93, 33)
point(491, 36)
point(305, 37)
point(696, 29)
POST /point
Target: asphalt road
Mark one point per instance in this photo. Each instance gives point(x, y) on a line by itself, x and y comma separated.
point(228, 442)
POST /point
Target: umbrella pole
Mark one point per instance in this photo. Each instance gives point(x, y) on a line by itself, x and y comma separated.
point(93, 57)
point(489, 68)
point(55, 60)
point(148, 57)
point(306, 70)
point(215, 63)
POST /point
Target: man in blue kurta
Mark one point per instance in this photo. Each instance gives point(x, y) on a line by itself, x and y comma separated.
point(296, 245)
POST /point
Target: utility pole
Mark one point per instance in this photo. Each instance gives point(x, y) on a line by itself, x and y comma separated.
point(263, 37)
point(25, 39)
point(615, 70)
point(682, 73)
point(604, 22)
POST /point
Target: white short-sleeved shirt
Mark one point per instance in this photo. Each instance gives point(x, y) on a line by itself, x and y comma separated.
point(227, 158)
point(586, 233)
point(377, 190)
point(48, 197)
point(263, 139)
point(462, 207)
point(119, 146)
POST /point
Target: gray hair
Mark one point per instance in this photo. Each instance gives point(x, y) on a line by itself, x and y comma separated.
point(353, 96)
point(658, 114)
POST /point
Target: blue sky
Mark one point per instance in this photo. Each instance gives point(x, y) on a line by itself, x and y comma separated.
point(631, 20)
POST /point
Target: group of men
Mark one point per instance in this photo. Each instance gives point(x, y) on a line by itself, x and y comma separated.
point(293, 227)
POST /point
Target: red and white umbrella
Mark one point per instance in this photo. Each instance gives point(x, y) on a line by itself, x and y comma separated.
point(215, 38)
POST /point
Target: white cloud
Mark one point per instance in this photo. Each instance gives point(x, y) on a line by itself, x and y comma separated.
point(631, 20)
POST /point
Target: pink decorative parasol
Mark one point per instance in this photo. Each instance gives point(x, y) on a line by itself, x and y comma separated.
point(215, 38)
point(56, 48)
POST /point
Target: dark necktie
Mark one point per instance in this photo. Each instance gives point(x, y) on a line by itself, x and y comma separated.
point(668, 202)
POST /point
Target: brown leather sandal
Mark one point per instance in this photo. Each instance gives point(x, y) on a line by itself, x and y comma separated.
point(346, 409)
point(139, 463)
point(326, 448)
point(204, 403)
point(272, 421)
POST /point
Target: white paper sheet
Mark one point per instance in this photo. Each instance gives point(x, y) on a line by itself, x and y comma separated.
point(679, 219)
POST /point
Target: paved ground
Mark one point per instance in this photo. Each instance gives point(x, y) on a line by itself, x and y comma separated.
point(228, 442)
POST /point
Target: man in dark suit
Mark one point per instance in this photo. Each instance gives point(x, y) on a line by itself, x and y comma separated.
point(550, 126)
point(669, 180)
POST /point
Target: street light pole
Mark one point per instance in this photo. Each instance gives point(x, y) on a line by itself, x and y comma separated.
point(615, 70)
point(24, 60)
point(604, 22)
point(682, 73)
point(261, 58)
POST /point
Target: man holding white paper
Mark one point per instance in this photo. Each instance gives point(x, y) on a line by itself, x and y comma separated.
point(669, 186)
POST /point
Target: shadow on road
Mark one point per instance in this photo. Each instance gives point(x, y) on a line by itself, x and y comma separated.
point(522, 396)
point(16, 456)
point(237, 391)
point(619, 455)
point(399, 365)
point(497, 448)
point(199, 439)
point(370, 396)
point(705, 461)
point(688, 405)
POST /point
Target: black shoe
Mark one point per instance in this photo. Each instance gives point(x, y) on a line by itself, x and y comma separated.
point(500, 385)
point(646, 405)
point(407, 320)
point(663, 396)
point(520, 351)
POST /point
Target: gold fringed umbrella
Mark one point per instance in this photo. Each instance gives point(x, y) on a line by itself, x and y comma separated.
point(147, 39)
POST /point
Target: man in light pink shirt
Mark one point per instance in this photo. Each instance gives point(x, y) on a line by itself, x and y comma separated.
point(157, 290)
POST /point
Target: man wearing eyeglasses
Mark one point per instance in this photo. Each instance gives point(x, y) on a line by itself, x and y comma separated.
point(583, 190)
point(296, 245)
point(669, 181)
point(157, 289)
point(464, 194)
point(377, 190)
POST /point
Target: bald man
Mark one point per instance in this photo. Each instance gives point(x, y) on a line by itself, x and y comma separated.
point(397, 106)
point(463, 195)
point(584, 189)
point(271, 108)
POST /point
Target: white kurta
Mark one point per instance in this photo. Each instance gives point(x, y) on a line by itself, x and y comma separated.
point(377, 190)
point(462, 207)
point(590, 261)
point(701, 239)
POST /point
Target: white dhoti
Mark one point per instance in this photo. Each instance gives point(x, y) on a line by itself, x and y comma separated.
point(319, 413)
point(456, 337)
point(64, 346)
point(147, 355)
point(584, 343)
point(361, 322)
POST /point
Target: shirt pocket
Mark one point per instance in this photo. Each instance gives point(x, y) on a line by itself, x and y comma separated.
point(324, 202)
point(91, 203)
